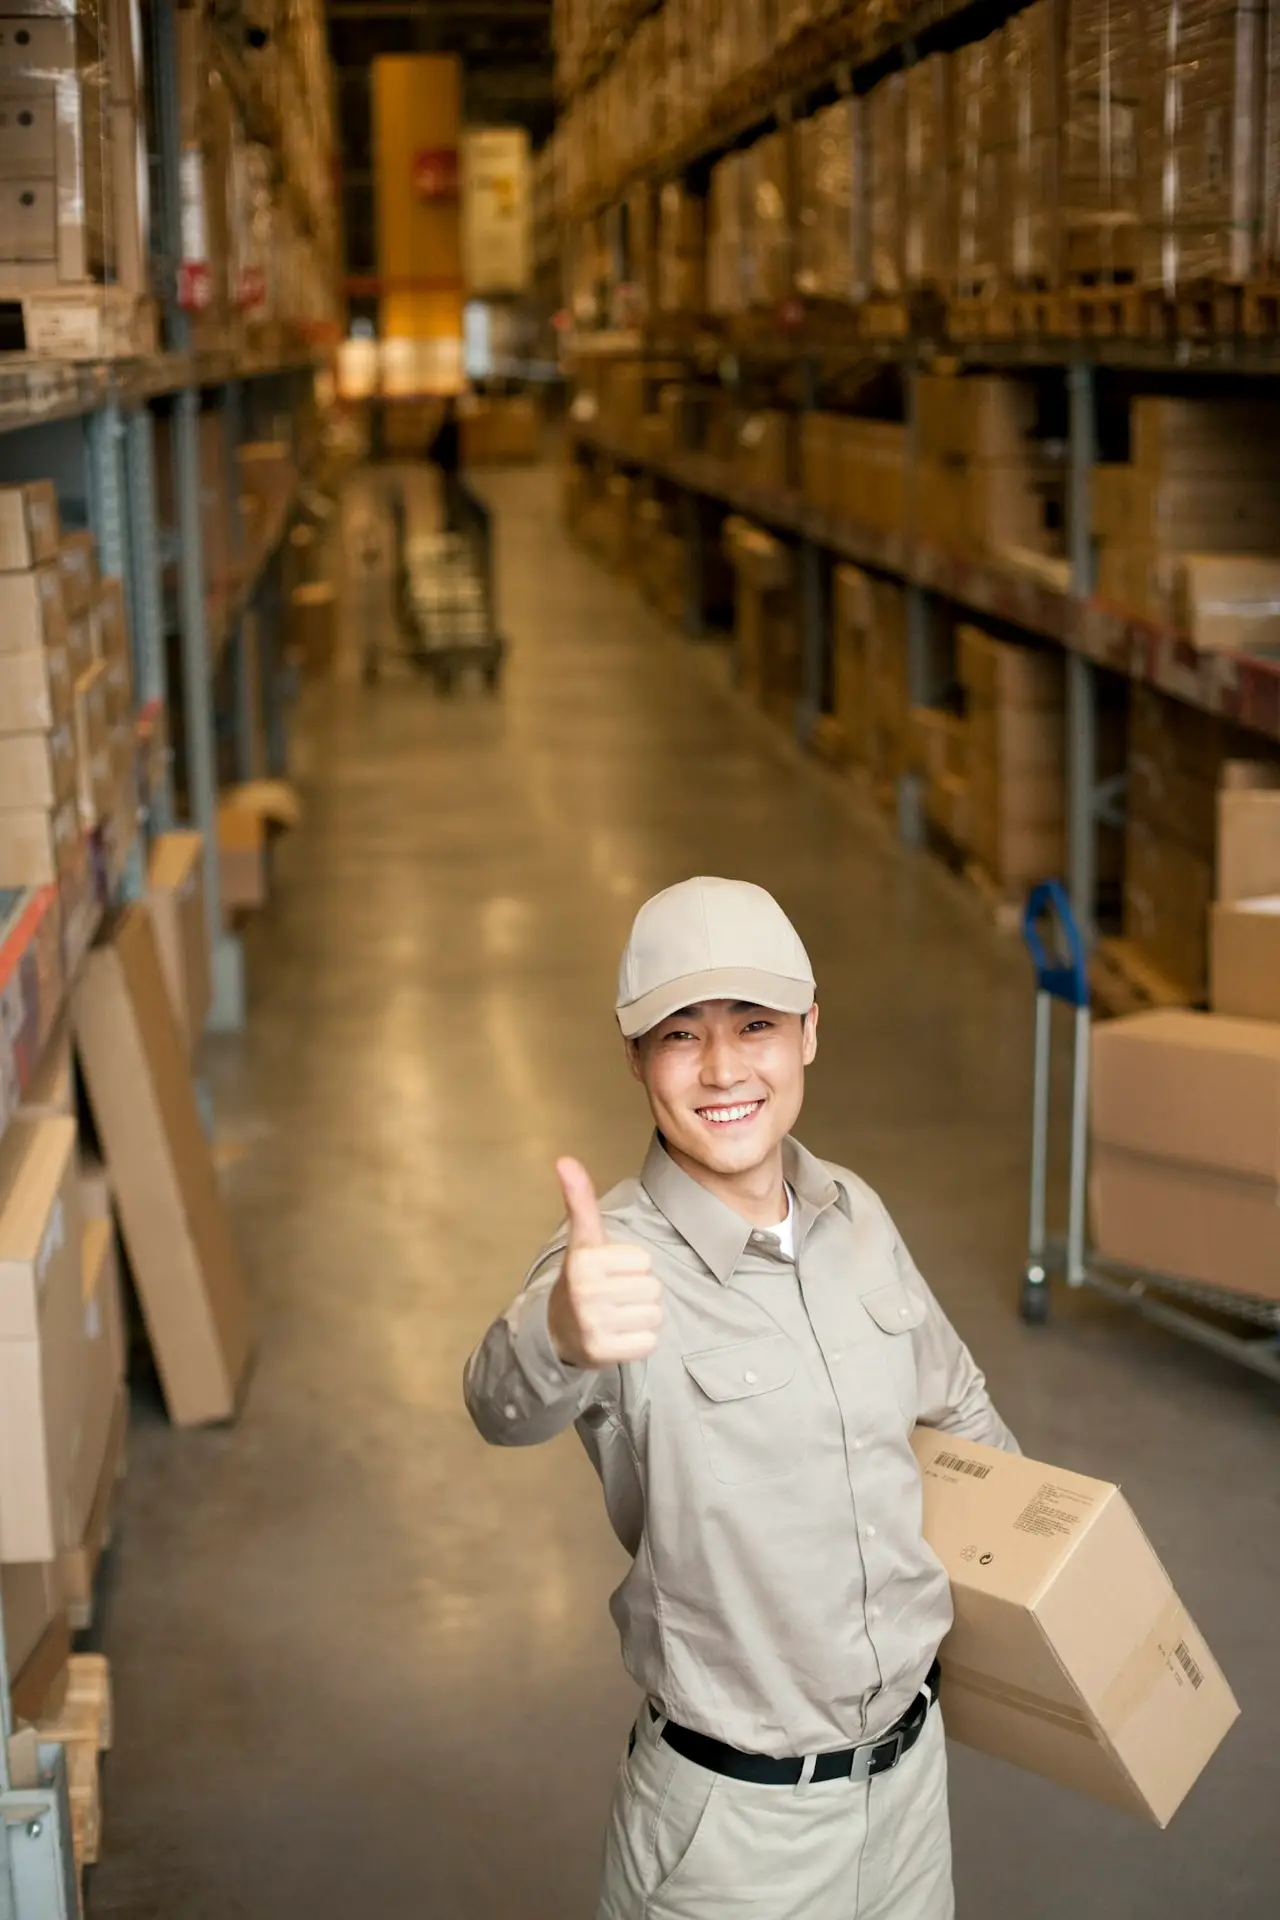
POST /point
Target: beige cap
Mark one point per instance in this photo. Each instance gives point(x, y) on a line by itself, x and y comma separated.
point(710, 940)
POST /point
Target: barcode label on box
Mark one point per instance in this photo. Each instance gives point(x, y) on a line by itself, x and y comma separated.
point(974, 1468)
point(1182, 1654)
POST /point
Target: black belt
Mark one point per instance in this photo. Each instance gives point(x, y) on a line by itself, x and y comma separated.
point(851, 1763)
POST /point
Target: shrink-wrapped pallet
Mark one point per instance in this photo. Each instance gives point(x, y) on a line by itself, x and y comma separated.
point(1102, 137)
point(1032, 95)
point(824, 210)
point(979, 125)
point(1204, 140)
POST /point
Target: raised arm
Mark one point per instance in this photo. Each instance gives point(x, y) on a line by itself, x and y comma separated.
point(588, 1306)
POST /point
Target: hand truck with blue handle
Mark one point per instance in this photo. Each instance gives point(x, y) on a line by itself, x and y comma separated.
point(1181, 1306)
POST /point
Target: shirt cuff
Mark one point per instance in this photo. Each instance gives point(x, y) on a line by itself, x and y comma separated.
point(551, 1378)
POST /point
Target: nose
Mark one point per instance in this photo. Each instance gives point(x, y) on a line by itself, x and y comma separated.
point(721, 1062)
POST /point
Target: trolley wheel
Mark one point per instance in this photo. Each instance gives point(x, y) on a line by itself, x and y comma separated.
point(1033, 1302)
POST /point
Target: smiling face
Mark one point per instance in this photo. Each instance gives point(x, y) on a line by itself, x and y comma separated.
point(726, 1082)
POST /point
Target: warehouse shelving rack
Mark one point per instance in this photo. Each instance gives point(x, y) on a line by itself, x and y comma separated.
point(831, 58)
point(90, 427)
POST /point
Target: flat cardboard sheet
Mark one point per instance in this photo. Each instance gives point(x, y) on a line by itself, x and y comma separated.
point(171, 1210)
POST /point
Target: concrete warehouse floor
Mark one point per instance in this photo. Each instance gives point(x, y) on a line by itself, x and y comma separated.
point(364, 1664)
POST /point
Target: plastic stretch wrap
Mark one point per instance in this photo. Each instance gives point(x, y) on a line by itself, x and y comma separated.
point(980, 123)
point(1102, 135)
point(1033, 118)
point(824, 269)
point(927, 250)
point(1204, 141)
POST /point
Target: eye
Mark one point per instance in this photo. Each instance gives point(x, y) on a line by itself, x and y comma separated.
point(678, 1033)
point(758, 1026)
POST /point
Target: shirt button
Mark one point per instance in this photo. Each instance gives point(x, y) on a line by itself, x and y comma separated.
point(873, 1613)
point(903, 1313)
point(859, 1444)
point(871, 1533)
point(512, 1413)
point(836, 1358)
point(750, 1378)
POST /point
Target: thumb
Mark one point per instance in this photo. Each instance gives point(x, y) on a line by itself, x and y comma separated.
point(586, 1229)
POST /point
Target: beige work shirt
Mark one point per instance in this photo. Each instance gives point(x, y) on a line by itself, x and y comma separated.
point(758, 1467)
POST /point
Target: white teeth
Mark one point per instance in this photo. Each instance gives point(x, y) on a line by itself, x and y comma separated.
point(721, 1116)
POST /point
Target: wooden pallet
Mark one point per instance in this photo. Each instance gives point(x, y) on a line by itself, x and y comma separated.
point(83, 1725)
point(1123, 982)
point(1106, 311)
point(988, 317)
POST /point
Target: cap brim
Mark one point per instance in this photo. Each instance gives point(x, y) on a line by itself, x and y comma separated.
point(773, 990)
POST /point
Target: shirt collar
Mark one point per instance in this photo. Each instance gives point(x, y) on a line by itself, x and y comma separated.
point(716, 1233)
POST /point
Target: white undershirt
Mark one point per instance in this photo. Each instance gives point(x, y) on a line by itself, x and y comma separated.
point(786, 1229)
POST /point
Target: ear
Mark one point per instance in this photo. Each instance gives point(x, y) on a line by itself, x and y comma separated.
point(810, 1040)
point(632, 1050)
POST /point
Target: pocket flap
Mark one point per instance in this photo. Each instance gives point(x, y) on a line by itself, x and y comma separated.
point(894, 1309)
point(747, 1367)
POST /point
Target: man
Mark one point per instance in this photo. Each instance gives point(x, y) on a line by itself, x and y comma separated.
point(745, 1346)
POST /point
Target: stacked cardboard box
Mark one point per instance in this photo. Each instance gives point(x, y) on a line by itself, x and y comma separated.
point(681, 244)
point(659, 556)
point(1179, 759)
point(766, 617)
point(1032, 102)
point(977, 161)
point(1245, 940)
point(940, 756)
point(57, 225)
point(927, 136)
point(1204, 478)
point(726, 236)
point(1103, 135)
point(1201, 171)
point(871, 697)
point(1016, 745)
point(766, 449)
point(984, 483)
point(41, 837)
point(770, 270)
point(1185, 1162)
point(825, 204)
point(1228, 603)
point(880, 269)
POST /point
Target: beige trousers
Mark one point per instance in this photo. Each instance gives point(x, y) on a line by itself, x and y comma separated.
point(686, 1844)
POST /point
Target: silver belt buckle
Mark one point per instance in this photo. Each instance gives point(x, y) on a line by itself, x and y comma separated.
point(861, 1768)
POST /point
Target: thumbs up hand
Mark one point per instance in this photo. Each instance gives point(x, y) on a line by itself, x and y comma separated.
point(606, 1306)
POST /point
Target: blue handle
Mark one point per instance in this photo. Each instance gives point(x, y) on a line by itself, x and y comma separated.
point(1066, 980)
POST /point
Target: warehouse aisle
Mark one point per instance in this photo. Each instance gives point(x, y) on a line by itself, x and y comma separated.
point(365, 1665)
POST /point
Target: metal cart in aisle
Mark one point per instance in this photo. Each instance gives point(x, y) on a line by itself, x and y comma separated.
point(444, 598)
point(1240, 1327)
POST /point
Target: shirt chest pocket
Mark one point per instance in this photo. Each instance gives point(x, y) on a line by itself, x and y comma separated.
point(754, 1408)
point(895, 1313)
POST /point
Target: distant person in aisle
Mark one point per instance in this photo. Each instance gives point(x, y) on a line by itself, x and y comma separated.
point(445, 452)
point(745, 1344)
